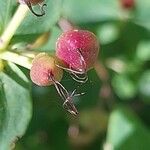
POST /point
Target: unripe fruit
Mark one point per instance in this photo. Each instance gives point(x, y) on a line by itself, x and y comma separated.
point(29, 3)
point(77, 49)
point(127, 4)
point(44, 69)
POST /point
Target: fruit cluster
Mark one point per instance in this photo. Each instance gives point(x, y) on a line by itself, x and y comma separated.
point(76, 52)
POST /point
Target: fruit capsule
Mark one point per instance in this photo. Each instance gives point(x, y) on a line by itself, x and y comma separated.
point(43, 69)
point(127, 4)
point(78, 50)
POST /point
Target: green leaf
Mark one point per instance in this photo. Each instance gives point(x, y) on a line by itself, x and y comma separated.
point(51, 43)
point(123, 86)
point(108, 33)
point(83, 11)
point(6, 7)
point(144, 84)
point(143, 51)
point(126, 131)
point(15, 106)
point(142, 13)
point(37, 25)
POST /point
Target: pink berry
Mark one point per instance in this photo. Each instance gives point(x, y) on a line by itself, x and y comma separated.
point(127, 4)
point(44, 69)
point(77, 49)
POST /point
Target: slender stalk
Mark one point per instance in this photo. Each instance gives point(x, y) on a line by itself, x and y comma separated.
point(101, 71)
point(65, 25)
point(13, 25)
point(18, 59)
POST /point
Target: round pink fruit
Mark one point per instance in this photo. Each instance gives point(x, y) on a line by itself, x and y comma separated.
point(43, 69)
point(127, 4)
point(77, 49)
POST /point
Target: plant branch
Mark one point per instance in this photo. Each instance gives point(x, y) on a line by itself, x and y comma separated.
point(65, 25)
point(13, 25)
point(101, 71)
point(18, 59)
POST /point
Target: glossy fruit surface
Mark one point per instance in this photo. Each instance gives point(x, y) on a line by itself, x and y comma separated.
point(43, 68)
point(77, 49)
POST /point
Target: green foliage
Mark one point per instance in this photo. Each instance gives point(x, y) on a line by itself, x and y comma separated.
point(95, 11)
point(125, 131)
point(143, 52)
point(144, 84)
point(6, 9)
point(15, 106)
point(34, 25)
point(142, 13)
point(124, 87)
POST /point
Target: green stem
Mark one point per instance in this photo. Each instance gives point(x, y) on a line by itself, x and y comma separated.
point(13, 25)
point(65, 25)
point(18, 59)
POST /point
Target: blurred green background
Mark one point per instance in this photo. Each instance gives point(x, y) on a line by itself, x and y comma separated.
point(115, 110)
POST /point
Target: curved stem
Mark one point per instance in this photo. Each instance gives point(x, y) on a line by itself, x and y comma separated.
point(13, 25)
point(65, 25)
point(17, 59)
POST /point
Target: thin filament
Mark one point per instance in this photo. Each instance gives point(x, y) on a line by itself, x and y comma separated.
point(79, 78)
point(64, 94)
point(69, 69)
point(76, 75)
point(82, 59)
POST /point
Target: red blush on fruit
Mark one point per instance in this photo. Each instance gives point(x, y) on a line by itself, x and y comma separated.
point(77, 49)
